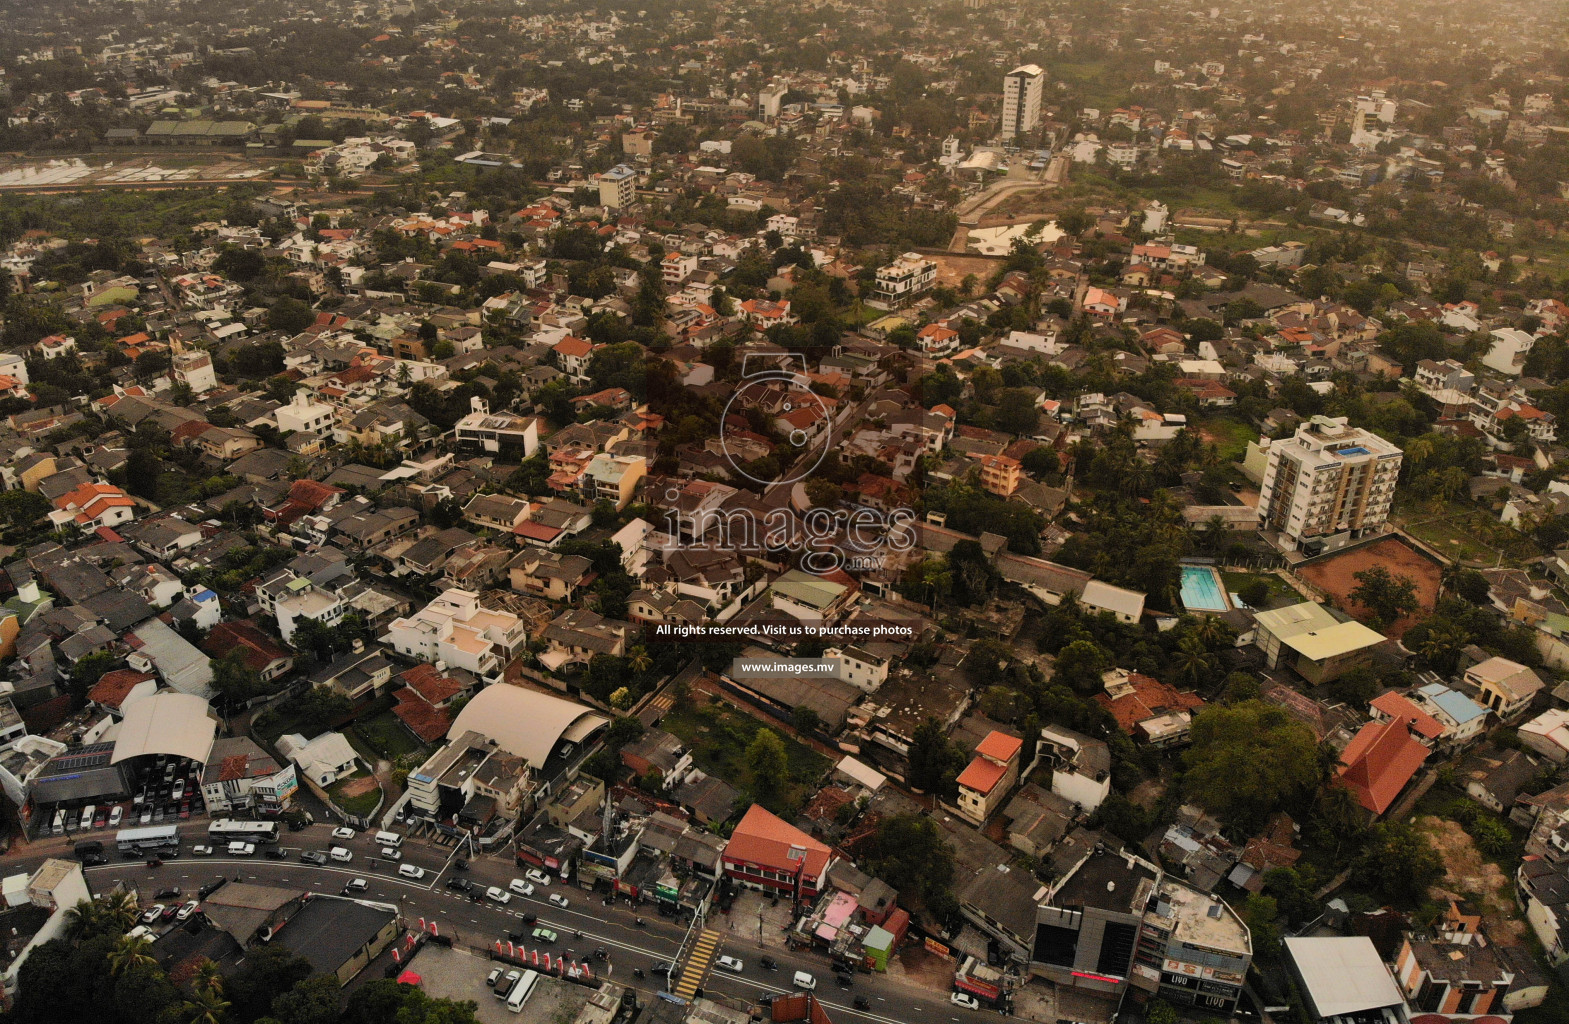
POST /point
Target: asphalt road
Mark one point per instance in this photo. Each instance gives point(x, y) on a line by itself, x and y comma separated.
point(480, 924)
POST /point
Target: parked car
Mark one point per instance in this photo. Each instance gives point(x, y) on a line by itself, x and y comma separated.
point(493, 977)
point(116, 815)
point(343, 832)
point(965, 1000)
point(153, 913)
point(187, 910)
point(730, 963)
point(537, 876)
point(520, 887)
point(498, 895)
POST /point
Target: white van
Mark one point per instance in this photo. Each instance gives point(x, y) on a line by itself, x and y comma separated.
point(804, 980)
point(340, 855)
point(87, 817)
point(238, 849)
point(59, 823)
point(391, 839)
point(521, 991)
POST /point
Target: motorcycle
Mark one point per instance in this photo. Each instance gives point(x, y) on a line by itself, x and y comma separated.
point(769, 963)
point(600, 954)
point(860, 1003)
point(637, 972)
point(641, 923)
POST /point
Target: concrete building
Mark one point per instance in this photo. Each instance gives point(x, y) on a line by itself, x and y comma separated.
point(1193, 948)
point(304, 413)
point(905, 278)
point(1087, 927)
point(195, 370)
point(457, 631)
point(1021, 99)
point(1326, 486)
point(1308, 638)
point(769, 99)
point(1506, 687)
point(618, 187)
point(989, 777)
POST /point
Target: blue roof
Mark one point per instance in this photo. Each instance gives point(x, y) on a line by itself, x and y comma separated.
point(1454, 703)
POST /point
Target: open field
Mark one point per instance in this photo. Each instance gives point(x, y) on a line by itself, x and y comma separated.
point(1336, 576)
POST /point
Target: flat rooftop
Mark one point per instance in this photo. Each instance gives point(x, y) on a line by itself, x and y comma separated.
point(1107, 881)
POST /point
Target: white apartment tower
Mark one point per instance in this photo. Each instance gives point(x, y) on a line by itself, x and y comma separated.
point(1326, 486)
point(1021, 99)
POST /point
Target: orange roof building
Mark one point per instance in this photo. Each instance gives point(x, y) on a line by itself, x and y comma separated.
point(765, 852)
point(1379, 761)
point(989, 777)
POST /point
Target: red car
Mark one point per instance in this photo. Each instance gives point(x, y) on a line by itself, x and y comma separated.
point(185, 810)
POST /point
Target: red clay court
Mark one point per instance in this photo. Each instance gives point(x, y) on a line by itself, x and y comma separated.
point(1336, 576)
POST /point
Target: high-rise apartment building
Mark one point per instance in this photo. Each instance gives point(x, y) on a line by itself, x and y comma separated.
point(618, 187)
point(1326, 486)
point(1021, 99)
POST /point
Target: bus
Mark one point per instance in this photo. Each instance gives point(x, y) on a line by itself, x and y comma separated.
point(147, 840)
point(228, 830)
point(521, 991)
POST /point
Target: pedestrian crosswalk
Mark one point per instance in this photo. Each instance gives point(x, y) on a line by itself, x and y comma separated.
point(696, 969)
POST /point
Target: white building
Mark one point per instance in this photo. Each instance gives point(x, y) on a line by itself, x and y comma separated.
point(1327, 485)
point(13, 365)
point(769, 100)
point(302, 599)
point(1021, 99)
point(1509, 348)
point(905, 278)
point(194, 369)
point(456, 630)
point(304, 413)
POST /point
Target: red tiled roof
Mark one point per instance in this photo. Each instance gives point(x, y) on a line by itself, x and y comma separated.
point(428, 723)
point(536, 531)
point(1399, 706)
point(260, 649)
point(764, 839)
point(430, 684)
point(999, 746)
point(982, 775)
point(114, 687)
point(1150, 698)
point(1379, 761)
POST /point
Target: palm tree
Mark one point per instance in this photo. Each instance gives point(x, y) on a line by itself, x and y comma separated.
point(1193, 662)
point(130, 953)
point(120, 907)
point(206, 1006)
point(208, 978)
point(84, 920)
point(639, 660)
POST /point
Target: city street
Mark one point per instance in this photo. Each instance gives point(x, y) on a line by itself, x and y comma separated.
point(480, 924)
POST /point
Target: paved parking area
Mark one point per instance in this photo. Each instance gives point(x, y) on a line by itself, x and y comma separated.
point(460, 974)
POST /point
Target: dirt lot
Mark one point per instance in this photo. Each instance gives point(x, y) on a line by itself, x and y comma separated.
point(952, 268)
point(1336, 576)
point(1466, 874)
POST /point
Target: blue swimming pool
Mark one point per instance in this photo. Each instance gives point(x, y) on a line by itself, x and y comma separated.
point(1202, 591)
